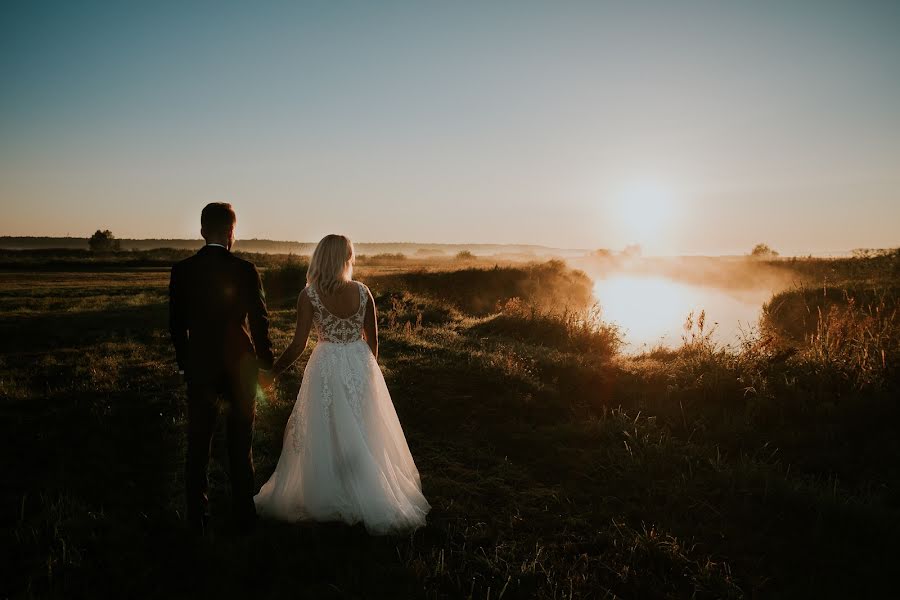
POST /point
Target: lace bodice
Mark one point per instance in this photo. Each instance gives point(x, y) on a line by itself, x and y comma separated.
point(330, 328)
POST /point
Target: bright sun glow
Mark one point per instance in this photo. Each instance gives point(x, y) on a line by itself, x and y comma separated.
point(644, 209)
point(652, 310)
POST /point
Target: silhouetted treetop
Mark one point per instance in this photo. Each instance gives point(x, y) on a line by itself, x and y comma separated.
point(103, 241)
point(763, 251)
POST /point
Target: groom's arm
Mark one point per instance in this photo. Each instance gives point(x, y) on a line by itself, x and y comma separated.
point(258, 317)
point(177, 322)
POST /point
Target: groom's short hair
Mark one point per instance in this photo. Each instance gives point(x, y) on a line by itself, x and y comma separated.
point(217, 218)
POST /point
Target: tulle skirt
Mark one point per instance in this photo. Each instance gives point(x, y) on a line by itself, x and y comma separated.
point(345, 457)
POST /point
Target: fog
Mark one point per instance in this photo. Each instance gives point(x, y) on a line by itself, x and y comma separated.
point(651, 298)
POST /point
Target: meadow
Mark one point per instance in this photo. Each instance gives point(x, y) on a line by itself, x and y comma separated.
point(557, 465)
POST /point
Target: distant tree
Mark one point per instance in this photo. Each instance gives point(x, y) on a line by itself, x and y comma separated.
point(602, 253)
point(104, 241)
point(632, 250)
point(465, 255)
point(763, 251)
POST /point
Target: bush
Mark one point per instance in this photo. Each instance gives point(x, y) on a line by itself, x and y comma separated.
point(845, 337)
point(763, 251)
point(385, 258)
point(566, 330)
point(284, 282)
point(104, 241)
point(549, 286)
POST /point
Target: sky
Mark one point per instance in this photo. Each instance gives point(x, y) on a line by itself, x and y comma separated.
point(689, 127)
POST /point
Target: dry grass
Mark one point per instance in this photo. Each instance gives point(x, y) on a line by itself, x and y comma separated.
point(556, 467)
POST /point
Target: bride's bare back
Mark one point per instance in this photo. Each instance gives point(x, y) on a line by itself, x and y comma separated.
point(343, 302)
point(346, 302)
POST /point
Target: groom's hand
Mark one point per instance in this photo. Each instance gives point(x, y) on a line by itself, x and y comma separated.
point(266, 380)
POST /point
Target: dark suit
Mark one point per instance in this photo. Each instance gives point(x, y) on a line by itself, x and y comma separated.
point(220, 328)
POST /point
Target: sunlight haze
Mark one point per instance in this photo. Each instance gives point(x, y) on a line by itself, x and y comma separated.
point(688, 128)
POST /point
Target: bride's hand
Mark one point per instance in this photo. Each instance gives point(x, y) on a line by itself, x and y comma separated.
point(266, 381)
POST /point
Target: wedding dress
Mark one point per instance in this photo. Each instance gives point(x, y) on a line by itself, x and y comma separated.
point(344, 456)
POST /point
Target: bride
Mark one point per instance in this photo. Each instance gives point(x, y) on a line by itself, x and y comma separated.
point(344, 457)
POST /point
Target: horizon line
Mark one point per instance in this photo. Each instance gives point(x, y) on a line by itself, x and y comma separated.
point(415, 243)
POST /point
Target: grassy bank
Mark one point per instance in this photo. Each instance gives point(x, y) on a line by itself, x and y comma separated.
point(556, 466)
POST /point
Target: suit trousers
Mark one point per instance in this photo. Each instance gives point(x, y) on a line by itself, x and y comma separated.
point(235, 390)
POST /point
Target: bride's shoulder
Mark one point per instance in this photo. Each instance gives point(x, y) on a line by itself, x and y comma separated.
point(366, 294)
point(305, 296)
point(362, 286)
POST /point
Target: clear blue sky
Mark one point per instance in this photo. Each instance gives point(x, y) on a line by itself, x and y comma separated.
point(689, 127)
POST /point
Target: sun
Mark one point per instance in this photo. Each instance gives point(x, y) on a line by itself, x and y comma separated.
point(644, 208)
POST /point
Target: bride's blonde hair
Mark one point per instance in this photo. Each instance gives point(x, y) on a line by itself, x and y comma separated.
point(331, 263)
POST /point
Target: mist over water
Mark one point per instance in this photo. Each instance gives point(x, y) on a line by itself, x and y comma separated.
point(652, 309)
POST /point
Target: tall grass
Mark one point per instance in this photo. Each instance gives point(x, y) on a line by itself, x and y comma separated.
point(581, 330)
point(556, 468)
point(284, 282)
point(847, 334)
point(860, 343)
point(872, 267)
point(386, 258)
point(548, 285)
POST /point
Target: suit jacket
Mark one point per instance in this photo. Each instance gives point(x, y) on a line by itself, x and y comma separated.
point(217, 315)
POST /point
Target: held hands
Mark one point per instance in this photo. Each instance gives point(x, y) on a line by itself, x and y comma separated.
point(266, 381)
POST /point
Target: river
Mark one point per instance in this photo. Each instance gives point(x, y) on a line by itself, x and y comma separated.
point(651, 310)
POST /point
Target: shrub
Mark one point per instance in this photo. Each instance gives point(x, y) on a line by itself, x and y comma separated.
point(763, 251)
point(567, 330)
point(547, 286)
point(849, 336)
point(104, 241)
point(284, 282)
point(385, 258)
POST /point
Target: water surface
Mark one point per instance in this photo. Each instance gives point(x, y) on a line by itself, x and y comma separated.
point(651, 310)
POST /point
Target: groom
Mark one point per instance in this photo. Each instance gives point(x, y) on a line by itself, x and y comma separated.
point(220, 328)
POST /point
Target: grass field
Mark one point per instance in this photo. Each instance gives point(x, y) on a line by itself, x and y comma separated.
point(556, 466)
